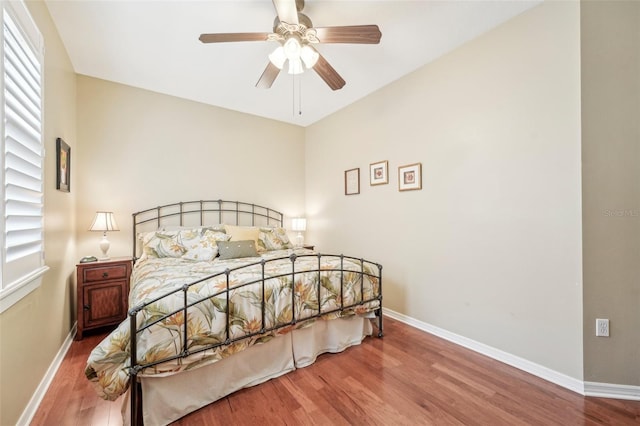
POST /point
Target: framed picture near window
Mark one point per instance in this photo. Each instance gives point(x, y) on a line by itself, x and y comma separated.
point(410, 177)
point(379, 173)
point(63, 166)
point(352, 182)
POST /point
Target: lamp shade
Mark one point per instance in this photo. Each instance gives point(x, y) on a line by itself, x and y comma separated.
point(104, 221)
point(292, 48)
point(299, 224)
point(295, 66)
point(309, 56)
point(277, 57)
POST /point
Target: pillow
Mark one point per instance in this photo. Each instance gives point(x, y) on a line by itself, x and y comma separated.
point(273, 239)
point(242, 233)
point(237, 249)
point(201, 244)
point(162, 244)
point(192, 244)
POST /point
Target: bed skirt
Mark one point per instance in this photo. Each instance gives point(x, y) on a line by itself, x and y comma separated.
point(168, 398)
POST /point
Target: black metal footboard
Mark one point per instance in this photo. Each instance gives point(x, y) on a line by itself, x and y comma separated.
point(370, 271)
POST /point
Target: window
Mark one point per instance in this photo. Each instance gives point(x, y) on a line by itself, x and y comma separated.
point(22, 155)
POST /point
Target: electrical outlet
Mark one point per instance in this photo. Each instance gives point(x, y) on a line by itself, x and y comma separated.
point(602, 327)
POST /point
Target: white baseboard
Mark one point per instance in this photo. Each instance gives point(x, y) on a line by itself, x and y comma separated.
point(607, 390)
point(36, 399)
point(601, 390)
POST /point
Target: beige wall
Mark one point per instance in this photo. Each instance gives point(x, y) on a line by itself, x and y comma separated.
point(490, 248)
point(142, 149)
point(611, 188)
point(33, 330)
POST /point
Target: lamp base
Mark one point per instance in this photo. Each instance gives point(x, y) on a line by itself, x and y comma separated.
point(104, 246)
point(299, 240)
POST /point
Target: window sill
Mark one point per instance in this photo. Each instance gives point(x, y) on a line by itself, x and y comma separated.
point(21, 288)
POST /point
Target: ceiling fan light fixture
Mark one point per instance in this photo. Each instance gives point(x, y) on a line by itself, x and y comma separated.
point(277, 57)
point(309, 56)
point(295, 66)
point(296, 36)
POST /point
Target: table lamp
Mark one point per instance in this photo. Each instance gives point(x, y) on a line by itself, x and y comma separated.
point(299, 224)
point(104, 221)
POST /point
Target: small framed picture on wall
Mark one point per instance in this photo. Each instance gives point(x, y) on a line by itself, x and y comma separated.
point(378, 173)
point(63, 166)
point(352, 182)
point(410, 177)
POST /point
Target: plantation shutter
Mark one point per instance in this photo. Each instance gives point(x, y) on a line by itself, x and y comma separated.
point(22, 155)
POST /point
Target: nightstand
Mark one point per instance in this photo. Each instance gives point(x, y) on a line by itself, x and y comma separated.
point(308, 246)
point(103, 292)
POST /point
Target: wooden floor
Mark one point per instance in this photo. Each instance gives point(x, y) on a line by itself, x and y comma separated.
point(407, 378)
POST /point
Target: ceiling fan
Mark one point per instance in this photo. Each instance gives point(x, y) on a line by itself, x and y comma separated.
point(296, 35)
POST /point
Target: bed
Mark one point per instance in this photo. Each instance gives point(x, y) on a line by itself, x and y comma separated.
point(221, 300)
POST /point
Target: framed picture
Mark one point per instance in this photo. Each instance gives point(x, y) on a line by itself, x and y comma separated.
point(378, 173)
point(410, 177)
point(63, 166)
point(352, 182)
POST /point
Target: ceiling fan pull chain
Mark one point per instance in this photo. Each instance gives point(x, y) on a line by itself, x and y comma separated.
point(300, 96)
point(293, 94)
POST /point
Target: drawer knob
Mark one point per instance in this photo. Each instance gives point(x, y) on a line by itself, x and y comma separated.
point(105, 274)
point(87, 307)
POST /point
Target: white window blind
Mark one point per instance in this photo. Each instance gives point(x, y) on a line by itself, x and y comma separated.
point(22, 160)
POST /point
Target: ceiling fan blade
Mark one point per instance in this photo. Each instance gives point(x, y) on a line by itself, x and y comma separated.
point(287, 11)
point(227, 37)
point(268, 76)
point(328, 74)
point(359, 34)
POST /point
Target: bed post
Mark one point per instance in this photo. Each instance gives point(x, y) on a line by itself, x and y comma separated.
point(293, 258)
point(135, 234)
point(379, 311)
point(135, 389)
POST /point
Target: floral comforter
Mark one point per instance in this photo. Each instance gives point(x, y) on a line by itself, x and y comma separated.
point(207, 321)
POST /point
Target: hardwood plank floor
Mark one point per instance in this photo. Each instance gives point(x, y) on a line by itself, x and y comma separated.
point(407, 378)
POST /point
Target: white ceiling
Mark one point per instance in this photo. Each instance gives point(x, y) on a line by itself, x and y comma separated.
point(154, 45)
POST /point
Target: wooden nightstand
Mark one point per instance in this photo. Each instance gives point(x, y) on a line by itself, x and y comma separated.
point(103, 292)
point(308, 246)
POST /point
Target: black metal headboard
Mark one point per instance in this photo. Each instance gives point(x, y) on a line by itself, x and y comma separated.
point(202, 213)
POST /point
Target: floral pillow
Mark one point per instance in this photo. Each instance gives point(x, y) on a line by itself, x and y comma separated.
point(192, 244)
point(162, 244)
point(273, 239)
point(201, 245)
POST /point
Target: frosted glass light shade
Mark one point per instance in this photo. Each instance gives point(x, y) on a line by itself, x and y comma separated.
point(295, 66)
point(292, 48)
point(309, 56)
point(277, 57)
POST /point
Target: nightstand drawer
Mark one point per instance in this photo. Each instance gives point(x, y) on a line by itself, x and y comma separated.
point(104, 273)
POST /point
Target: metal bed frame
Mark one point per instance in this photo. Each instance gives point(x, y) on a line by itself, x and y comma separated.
point(201, 213)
